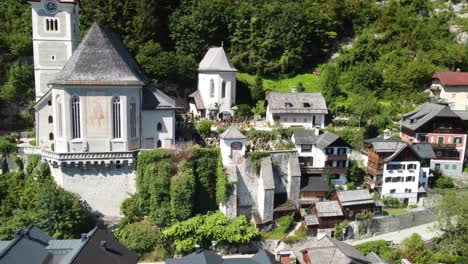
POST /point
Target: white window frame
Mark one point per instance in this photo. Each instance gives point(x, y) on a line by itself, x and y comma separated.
point(116, 118)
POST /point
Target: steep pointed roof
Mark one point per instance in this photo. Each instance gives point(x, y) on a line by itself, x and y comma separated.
point(101, 59)
point(216, 60)
point(232, 133)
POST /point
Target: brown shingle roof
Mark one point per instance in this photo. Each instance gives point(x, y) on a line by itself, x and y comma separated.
point(452, 78)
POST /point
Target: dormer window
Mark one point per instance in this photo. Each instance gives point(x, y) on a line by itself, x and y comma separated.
point(288, 105)
point(306, 105)
point(51, 24)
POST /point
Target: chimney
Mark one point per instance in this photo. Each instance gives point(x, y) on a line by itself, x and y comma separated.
point(386, 134)
point(317, 131)
point(294, 89)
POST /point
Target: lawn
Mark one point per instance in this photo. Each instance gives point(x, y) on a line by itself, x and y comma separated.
point(310, 82)
point(284, 224)
point(395, 211)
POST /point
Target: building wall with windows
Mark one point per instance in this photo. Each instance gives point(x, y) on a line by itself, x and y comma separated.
point(158, 129)
point(211, 86)
point(297, 120)
point(456, 96)
point(44, 128)
point(401, 180)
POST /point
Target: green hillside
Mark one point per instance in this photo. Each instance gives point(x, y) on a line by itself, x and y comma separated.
point(309, 81)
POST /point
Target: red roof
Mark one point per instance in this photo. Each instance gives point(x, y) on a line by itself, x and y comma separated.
point(452, 78)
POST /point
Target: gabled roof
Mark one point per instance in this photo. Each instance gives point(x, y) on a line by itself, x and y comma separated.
point(200, 256)
point(311, 220)
point(101, 59)
point(43, 99)
point(232, 133)
point(322, 141)
point(424, 113)
point(424, 150)
point(313, 184)
point(154, 98)
point(354, 197)
point(216, 60)
point(328, 209)
point(296, 103)
point(452, 78)
point(463, 114)
point(198, 100)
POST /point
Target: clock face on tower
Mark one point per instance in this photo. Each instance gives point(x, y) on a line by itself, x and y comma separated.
point(50, 6)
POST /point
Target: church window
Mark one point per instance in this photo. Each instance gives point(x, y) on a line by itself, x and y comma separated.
point(133, 129)
point(76, 119)
point(116, 117)
point(51, 119)
point(59, 116)
point(49, 102)
point(159, 144)
point(212, 88)
point(223, 90)
point(51, 24)
point(51, 136)
point(159, 126)
point(53, 58)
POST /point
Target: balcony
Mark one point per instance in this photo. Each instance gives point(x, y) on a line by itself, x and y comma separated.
point(444, 146)
point(312, 170)
point(336, 157)
point(376, 171)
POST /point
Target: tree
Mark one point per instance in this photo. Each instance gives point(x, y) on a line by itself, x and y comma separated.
point(141, 237)
point(7, 146)
point(18, 89)
point(259, 108)
point(243, 111)
point(415, 251)
point(444, 182)
point(364, 218)
point(258, 93)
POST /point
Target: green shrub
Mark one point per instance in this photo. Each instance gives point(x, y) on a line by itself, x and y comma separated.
point(243, 111)
point(204, 127)
point(392, 202)
point(256, 157)
point(380, 248)
point(413, 206)
point(340, 229)
point(444, 182)
point(283, 224)
point(141, 237)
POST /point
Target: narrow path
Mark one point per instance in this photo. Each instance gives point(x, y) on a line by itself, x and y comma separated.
point(298, 225)
point(427, 232)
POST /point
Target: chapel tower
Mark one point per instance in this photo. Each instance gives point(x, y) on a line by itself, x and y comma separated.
point(56, 34)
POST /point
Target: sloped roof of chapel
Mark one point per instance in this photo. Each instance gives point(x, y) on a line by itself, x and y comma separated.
point(101, 59)
point(216, 60)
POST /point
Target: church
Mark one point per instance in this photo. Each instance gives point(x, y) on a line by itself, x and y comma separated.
point(95, 109)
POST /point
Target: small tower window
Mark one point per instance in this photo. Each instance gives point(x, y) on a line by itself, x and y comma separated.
point(53, 57)
point(159, 126)
point(212, 88)
point(51, 119)
point(51, 24)
point(223, 90)
point(51, 136)
point(159, 144)
point(116, 117)
point(59, 116)
point(76, 120)
point(133, 128)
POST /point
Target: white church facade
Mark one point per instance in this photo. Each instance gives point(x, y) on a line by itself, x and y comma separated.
point(95, 109)
point(216, 93)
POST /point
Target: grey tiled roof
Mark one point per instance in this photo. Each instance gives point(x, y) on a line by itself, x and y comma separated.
point(216, 60)
point(462, 114)
point(424, 150)
point(311, 220)
point(198, 100)
point(313, 184)
point(154, 98)
point(232, 133)
point(200, 256)
point(350, 251)
point(266, 172)
point(101, 59)
point(308, 137)
point(353, 197)
point(295, 103)
point(424, 113)
point(328, 209)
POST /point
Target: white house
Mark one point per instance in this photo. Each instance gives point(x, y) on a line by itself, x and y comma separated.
point(216, 85)
point(403, 168)
point(232, 144)
point(296, 109)
point(95, 108)
point(452, 87)
point(323, 153)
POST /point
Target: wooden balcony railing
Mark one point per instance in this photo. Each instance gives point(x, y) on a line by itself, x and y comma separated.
point(312, 170)
point(337, 157)
point(444, 146)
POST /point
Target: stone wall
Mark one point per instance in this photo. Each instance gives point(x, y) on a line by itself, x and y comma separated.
point(102, 187)
point(386, 224)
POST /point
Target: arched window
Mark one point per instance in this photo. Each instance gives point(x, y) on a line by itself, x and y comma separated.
point(59, 116)
point(223, 90)
point(76, 117)
point(159, 144)
point(116, 132)
point(51, 119)
point(212, 88)
point(159, 126)
point(51, 136)
point(133, 129)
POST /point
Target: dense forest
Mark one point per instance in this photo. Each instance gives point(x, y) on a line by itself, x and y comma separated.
point(392, 46)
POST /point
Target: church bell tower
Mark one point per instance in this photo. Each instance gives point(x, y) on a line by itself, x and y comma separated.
point(55, 36)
